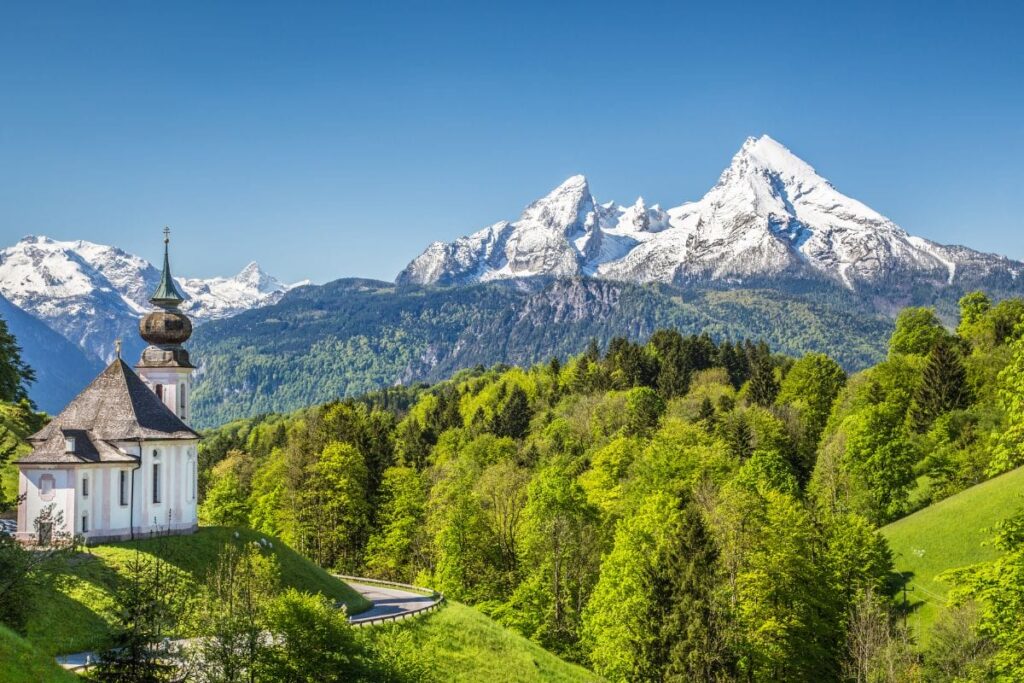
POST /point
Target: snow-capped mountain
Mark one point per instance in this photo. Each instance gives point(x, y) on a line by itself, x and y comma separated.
point(93, 294)
point(770, 215)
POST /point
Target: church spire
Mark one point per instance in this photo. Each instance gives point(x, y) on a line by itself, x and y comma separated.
point(166, 294)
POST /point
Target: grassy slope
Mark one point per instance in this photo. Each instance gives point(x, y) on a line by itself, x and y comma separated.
point(22, 663)
point(949, 534)
point(463, 644)
point(76, 617)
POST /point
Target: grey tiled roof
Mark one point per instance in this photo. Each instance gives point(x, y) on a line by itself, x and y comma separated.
point(88, 449)
point(117, 406)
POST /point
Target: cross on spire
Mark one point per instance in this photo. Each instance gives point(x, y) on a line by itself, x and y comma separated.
point(167, 234)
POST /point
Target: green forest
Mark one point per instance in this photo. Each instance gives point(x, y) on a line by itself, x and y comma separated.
point(351, 337)
point(674, 510)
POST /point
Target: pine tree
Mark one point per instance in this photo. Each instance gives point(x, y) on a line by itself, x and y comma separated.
point(706, 414)
point(764, 387)
point(943, 387)
point(689, 637)
point(513, 419)
point(579, 380)
point(145, 614)
point(739, 437)
point(15, 374)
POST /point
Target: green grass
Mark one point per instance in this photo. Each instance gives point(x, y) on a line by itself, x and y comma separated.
point(949, 534)
point(76, 617)
point(22, 663)
point(463, 644)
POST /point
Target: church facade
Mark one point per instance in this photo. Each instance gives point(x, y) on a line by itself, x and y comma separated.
point(120, 461)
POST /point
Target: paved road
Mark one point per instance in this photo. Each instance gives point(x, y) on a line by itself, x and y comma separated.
point(387, 602)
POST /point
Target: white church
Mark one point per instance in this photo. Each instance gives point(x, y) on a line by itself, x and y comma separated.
point(120, 461)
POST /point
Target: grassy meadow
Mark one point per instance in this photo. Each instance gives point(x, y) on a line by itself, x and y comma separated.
point(76, 617)
point(952, 533)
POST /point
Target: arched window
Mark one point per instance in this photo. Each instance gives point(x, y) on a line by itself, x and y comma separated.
point(181, 400)
point(157, 497)
point(159, 389)
point(85, 522)
point(123, 487)
point(85, 485)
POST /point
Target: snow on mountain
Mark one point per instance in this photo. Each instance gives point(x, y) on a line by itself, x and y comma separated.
point(770, 214)
point(93, 294)
point(560, 234)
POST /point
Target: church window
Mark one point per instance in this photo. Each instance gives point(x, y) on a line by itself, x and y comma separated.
point(85, 486)
point(85, 522)
point(46, 484)
point(159, 389)
point(123, 489)
point(156, 478)
point(181, 400)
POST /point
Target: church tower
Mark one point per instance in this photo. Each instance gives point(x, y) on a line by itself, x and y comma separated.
point(165, 365)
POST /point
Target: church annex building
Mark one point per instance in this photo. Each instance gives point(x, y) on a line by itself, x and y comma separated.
point(119, 461)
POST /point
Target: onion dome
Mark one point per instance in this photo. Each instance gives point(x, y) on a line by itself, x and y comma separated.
point(166, 327)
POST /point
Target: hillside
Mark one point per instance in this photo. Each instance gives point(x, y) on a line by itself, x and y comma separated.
point(462, 644)
point(950, 534)
point(76, 617)
point(22, 663)
point(61, 367)
point(353, 336)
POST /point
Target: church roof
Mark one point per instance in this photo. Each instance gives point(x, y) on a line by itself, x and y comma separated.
point(88, 449)
point(117, 406)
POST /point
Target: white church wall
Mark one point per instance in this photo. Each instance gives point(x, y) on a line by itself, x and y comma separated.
point(100, 513)
point(42, 487)
point(175, 507)
point(173, 387)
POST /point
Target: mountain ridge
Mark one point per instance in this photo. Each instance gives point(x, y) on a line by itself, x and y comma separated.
point(93, 294)
point(769, 214)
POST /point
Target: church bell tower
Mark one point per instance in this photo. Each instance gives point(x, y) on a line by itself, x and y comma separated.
point(165, 365)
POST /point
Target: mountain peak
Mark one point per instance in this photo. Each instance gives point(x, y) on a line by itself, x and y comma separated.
point(564, 208)
point(579, 180)
point(770, 214)
point(252, 269)
point(767, 154)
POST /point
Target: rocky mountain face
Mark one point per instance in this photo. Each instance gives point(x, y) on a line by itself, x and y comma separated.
point(771, 216)
point(349, 337)
point(88, 295)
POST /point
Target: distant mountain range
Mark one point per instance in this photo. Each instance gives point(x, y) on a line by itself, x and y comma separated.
point(772, 251)
point(92, 294)
point(352, 336)
point(771, 216)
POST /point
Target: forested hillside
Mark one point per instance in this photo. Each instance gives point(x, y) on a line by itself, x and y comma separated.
point(350, 337)
point(678, 507)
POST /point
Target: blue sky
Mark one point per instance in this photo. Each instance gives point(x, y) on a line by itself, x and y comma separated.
point(338, 139)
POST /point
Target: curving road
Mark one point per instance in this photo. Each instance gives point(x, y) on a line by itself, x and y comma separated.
point(389, 602)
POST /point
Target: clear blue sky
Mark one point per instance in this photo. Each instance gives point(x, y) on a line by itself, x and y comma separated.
point(338, 139)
